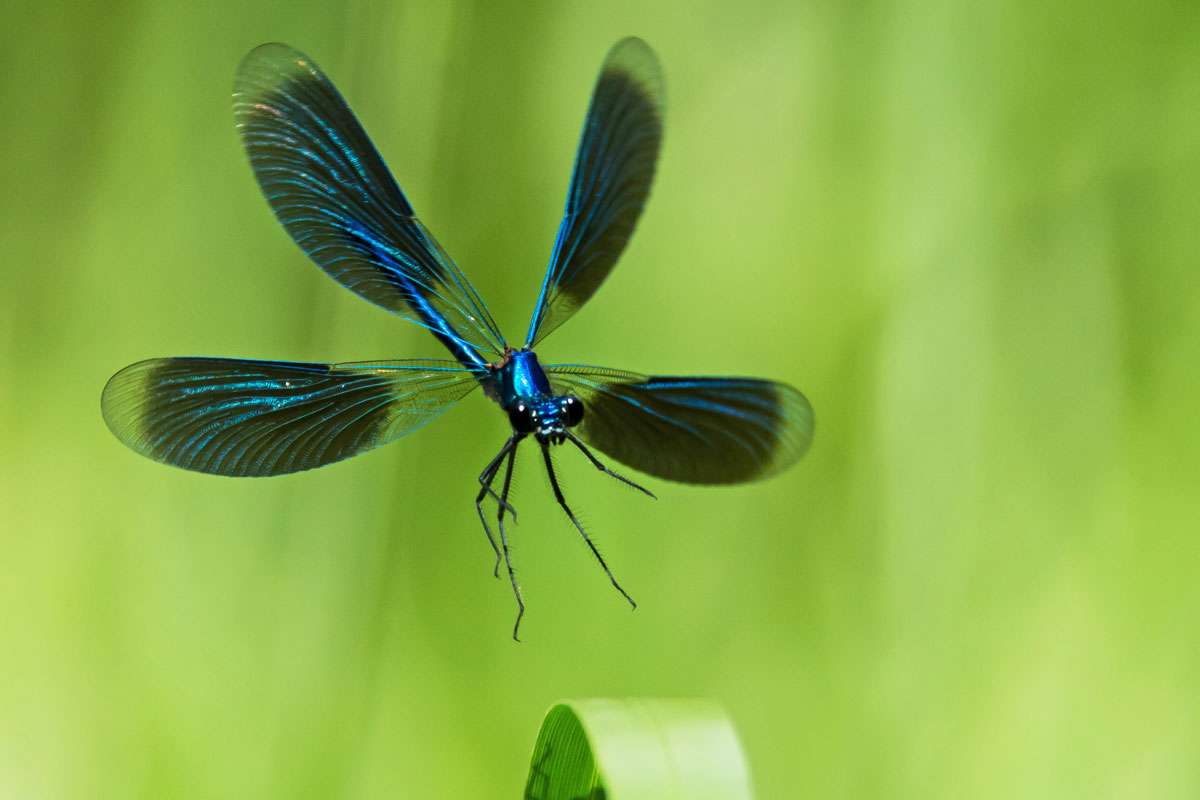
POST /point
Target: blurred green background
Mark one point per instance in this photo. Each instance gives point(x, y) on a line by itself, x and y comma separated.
point(969, 234)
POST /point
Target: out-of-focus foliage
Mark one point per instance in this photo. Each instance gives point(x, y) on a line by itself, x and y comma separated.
point(967, 232)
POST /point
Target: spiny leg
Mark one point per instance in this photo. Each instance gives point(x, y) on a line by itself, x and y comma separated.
point(485, 480)
point(489, 472)
point(511, 509)
point(485, 488)
point(600, 466)
point(503, 498)
point(558, 495)
point(512, 577)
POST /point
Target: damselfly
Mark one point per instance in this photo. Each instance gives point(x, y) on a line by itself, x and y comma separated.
point(330, 189)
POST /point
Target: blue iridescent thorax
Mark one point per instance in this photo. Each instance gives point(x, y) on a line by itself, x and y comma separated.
point(521, 378)
point(523, 390)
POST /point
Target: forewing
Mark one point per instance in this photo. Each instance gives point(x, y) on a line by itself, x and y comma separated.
point(331, 190)
point(244, 418)
point(693, 430)
point(614, 168)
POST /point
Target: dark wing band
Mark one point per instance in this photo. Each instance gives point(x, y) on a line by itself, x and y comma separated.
point(614, 168)
point(693, 430)
point(229, 416)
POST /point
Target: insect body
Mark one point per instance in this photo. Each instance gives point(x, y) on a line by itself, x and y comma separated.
point(331, 191)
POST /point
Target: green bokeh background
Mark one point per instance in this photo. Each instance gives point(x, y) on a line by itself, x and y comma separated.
point(967, 232)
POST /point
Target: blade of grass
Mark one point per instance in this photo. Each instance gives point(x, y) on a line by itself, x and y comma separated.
point(637, 749)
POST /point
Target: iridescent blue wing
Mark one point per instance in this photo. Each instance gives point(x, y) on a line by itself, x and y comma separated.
point(614, 168)
point(693, 430)
point(230, 416)
point(331, 190)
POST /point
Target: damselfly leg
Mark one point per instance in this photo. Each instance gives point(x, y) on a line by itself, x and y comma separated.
point(558, 495)
point(512, 577)
point(600, 466)
point(485, 488)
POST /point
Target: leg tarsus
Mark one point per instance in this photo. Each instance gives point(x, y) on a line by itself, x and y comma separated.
point(600, 466)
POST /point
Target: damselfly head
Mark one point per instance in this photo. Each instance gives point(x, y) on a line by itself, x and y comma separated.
point(547, 419)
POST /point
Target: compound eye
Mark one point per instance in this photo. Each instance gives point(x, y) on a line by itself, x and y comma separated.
point(572, 410)
point(523, 418)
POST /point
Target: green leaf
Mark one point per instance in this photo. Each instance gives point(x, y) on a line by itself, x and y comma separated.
point(637, 749)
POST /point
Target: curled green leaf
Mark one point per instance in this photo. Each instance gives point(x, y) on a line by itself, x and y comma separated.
point(637, 749)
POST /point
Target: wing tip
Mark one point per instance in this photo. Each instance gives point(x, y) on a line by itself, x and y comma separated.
point(121, 403)
point(797, 429)
point(637, 59)
point(272, 53)
point(266, 66)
